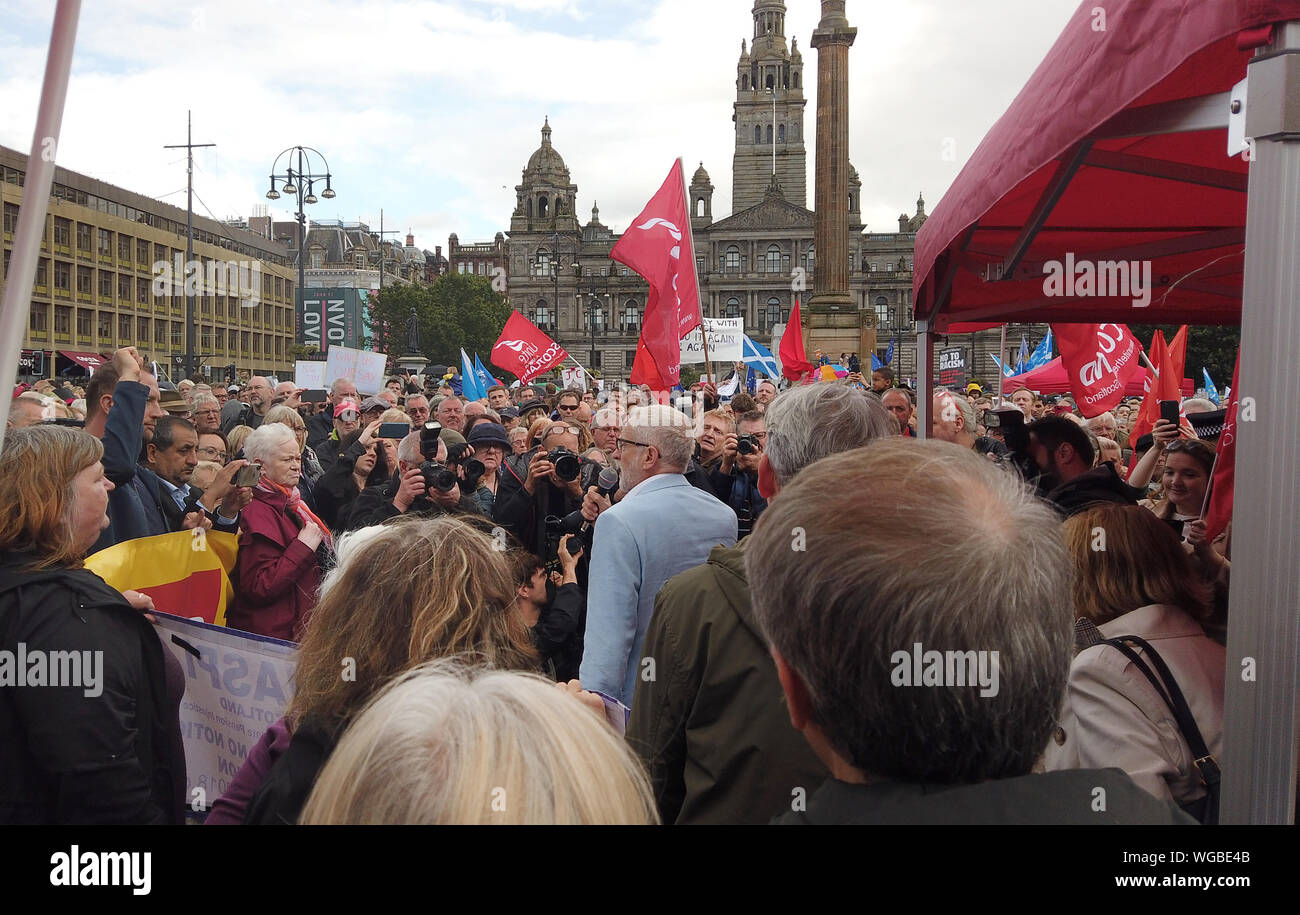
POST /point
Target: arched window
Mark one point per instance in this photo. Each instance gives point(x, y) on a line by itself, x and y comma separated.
point(771, 81)
point(773, 313)
point(631, 316)
point(809, 258)
point(597, 315)
point(733, 308)
point(744, 82)
point(769, 133)
point(882, 311)
point(731, 263)
point(543, 206)
point(780, 134)
point(794, 78)
point(772, 263)
point(699, 206)
point(543, 317)
point(542, 264)
point(758, 134)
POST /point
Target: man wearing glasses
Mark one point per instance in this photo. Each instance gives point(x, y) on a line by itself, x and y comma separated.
point(735, 480)
point(207, 414)
point(568, 404)
point(417, 407)
point(259, 393)
point(661, 527)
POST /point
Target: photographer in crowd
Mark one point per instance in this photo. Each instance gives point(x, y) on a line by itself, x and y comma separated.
point(735, 479)
point(550, 494)
point(554, 610)
point(425, 483)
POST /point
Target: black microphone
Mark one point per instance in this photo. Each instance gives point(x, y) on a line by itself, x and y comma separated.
point(606, 485)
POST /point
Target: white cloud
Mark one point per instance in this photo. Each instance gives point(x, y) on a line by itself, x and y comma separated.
point(431, 109)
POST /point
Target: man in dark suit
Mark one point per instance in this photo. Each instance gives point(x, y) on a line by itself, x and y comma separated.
point(170, 458)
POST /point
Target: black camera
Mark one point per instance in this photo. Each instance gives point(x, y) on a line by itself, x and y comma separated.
point(748, 444)
point(567, 464)
point(436, 476)
point(474, 468)
point(1010, 421)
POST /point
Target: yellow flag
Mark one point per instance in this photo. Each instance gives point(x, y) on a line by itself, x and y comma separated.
point(187, 573)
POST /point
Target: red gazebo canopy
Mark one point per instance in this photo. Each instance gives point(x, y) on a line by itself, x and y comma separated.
point(1114, 150)
point(1052, 378)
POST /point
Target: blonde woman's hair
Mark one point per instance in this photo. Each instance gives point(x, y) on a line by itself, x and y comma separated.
point(448, 743)
point(1125, 558)
point(404, 593)
point(235, 439)
point(38, 471)
point(285, 416)
point(395, 415)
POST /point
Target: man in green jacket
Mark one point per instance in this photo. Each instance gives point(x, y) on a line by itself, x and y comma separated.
point(709, 719)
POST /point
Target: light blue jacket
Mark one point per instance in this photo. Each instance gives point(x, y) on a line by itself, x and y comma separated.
point(664, 526)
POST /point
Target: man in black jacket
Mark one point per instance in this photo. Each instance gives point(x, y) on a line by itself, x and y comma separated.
point(321, 424)
point(408, 493)
point(555, 610)
point(1064, 455)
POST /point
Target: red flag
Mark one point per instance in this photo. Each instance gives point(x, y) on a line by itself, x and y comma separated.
point(524, 350)
point(1169, 360)
point(644, 370)
point(794, 361)
point(659, 247)
point(1099, 360)
point(1220, 512)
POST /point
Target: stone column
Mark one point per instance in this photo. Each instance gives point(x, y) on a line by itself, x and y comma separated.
point(833, 321)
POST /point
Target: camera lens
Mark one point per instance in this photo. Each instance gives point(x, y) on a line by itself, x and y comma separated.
point(567, 467)
point(745, 445)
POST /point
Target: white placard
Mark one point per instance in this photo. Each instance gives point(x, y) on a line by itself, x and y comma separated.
point(310, 376)
point(364, 368)
point(574, 378)
point(726, 341)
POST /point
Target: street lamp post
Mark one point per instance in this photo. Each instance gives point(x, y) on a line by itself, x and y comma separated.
point(301, 182)
point(558, 262)
point(596, 287)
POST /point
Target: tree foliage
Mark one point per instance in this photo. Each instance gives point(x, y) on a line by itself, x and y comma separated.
point(1210, 347)
point(457, 310)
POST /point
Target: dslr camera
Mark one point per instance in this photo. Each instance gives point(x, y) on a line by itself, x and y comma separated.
point(567, 464)
point(472, 467)
point(1015, 435)
point(436, 475)
point(748, 444)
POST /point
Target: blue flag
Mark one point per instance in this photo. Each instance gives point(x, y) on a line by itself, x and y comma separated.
point(468, 379)
point(1210, 389)
point(1022, 355)
point(485, 379)
point(1006, 369)
point(751, 379)
point(760, 357)
point(876, 363)
point(1041, 355)
point(889, 353)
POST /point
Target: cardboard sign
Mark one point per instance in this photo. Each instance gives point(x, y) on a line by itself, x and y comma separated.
point(309, 376)
point(726, 341)
point(366, 369)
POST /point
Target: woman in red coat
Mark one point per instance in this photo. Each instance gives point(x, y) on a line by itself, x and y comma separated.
point(278, 538)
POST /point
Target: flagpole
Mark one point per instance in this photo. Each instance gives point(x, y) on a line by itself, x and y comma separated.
point(1205, 502)
point(1002, 354)
point(584, 370)
point(16, 303)
point(690, 250)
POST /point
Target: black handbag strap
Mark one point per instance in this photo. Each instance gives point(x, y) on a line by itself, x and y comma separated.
point(1167, 687)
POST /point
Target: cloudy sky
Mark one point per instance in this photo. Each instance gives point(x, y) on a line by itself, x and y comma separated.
point(430, 110)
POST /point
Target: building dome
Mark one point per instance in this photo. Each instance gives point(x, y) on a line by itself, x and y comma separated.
point(700, 176)
point(546, 162)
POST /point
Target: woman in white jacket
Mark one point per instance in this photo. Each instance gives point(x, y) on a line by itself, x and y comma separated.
point(1133, 577)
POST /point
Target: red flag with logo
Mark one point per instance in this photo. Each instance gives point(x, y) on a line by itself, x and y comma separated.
point(1220, 512)
point(1099, 360)
point(659, 247)
point(794, 361)
point(644, 370)
point(524, 351)
point(1169, 360)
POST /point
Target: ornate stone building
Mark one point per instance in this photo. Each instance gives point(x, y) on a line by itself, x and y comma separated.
point(751, 263)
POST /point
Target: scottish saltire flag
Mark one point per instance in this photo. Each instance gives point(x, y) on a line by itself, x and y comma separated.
point(1210, 389)
point(485, 379)
point(1006, 369)
point(1041, 355)
point(468, 379)
point(889, 353)
point(760, 357)
point(1022, 355)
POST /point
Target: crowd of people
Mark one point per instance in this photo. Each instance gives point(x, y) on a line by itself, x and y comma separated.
point(568, 606)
